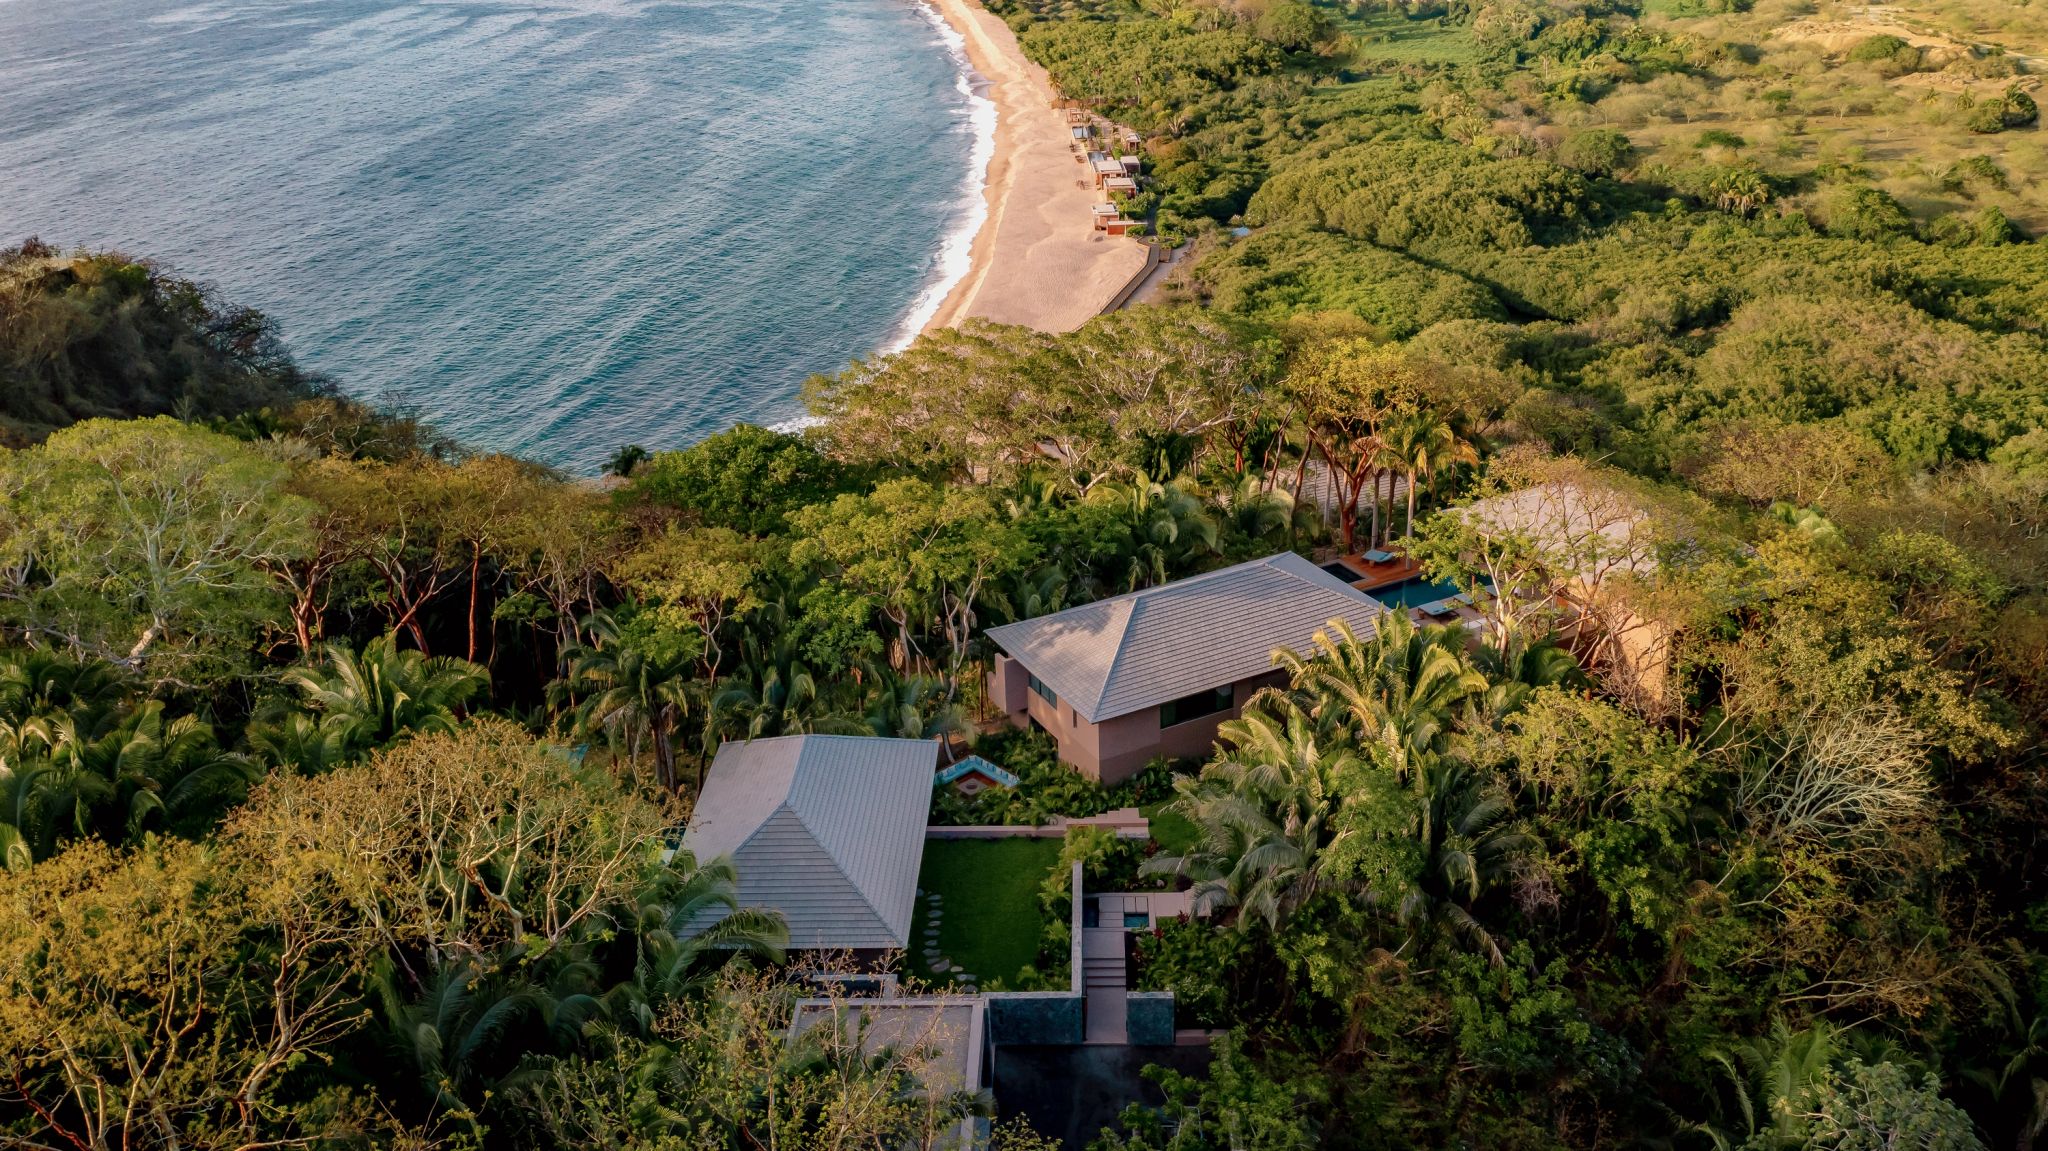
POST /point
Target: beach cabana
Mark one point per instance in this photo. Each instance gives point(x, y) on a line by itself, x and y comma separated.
point(1120, 185)
point(1131, 164)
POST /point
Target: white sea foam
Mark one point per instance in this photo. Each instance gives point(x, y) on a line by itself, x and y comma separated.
point(955, 255)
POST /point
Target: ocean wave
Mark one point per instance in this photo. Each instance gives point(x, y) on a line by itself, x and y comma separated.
point(954, 258)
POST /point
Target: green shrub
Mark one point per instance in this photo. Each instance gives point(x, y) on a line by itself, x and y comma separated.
point(1596, 151)
point(746, 478)
point(1292, 26)
point(1891, 55)
point(1994, 228)
point(2020, 109)
point(1860, 212)
point(1986, 119)
point(1973, 170)
point(1289, 269)
point(1721, 138)
point(1045, 788)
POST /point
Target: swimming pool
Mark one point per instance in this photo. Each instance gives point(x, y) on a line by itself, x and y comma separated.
point(1343, 571)
point(1413, 592)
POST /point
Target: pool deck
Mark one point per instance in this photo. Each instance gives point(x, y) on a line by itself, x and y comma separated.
point(1387, 573)
point(1380, 574)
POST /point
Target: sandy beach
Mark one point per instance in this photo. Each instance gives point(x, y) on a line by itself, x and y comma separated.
point(1037, 259)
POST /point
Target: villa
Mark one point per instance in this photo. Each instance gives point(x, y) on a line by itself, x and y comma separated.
point(1121, 681)
point(1596, 540)
point(826, 829)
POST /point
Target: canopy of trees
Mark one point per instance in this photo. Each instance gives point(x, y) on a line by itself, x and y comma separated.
point(339, 763)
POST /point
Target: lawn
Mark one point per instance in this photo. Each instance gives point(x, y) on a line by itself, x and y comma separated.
point(1172, 832)
point(988, 894)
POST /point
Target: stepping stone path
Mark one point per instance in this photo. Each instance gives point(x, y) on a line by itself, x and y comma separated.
point(934, 914)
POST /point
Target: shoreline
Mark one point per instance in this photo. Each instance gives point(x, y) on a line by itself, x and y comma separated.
point(955, 261)
point(1035, 258)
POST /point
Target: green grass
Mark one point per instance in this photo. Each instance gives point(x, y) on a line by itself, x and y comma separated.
point(988, 889)
point(1393, 37)
point(1173, 833)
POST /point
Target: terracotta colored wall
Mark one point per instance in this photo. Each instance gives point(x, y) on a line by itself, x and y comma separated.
point(1119, 748)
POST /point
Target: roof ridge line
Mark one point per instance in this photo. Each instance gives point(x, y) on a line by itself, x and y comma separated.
point(838, 864)
point(1131, 597)
point(1109, 674)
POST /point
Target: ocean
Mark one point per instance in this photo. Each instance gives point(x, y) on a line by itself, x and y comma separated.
point(553, 226)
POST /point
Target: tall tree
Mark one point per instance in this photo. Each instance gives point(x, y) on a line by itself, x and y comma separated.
point(146, 543)
point(635, 687)
point(1345, 391)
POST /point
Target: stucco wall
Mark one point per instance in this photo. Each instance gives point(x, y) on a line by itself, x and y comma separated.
point(1117, 748)
point(1129, 742)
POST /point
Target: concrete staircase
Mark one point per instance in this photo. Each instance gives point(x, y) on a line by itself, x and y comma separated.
point(1102, 958)
point(1102, 980)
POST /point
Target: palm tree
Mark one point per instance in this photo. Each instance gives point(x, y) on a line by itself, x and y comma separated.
point(1252, 511)
point(1168, 528)
point(1466, 841)
point(623, 461)
point(64, 775)
point(299, 741)
point(34, 682)
point(367, 700)
point(1406, 452)
point(912, 707)
point(632, 695)
point(1517, 670)
point(1771, 1078)
point(1442, 449)
point(694, 914)
point(1027, 594)
point(1265, 809)
point(459, 1032)
point(1399, 688)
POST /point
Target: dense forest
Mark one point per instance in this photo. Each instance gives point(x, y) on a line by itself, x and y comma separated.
point(338, 760)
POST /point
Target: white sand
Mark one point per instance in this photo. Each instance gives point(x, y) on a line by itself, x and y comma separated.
point(1037, 260)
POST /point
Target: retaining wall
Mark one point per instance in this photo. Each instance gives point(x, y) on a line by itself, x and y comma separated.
point(1148, 1018)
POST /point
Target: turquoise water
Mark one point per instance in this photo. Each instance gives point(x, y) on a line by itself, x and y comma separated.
point(555, 226)
point(1413, 592)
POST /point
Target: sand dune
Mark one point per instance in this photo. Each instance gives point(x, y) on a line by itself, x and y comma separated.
point(1037, 259)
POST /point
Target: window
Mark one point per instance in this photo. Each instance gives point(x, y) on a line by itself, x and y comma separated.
point(1043, 692)
point(1195, 706)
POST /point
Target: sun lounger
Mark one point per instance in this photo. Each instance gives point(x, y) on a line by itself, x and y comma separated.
point(1379, 557)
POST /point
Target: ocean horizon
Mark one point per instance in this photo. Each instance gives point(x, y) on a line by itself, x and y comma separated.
point(553, 226)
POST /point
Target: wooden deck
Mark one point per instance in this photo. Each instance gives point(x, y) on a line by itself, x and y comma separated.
point(1387, 573)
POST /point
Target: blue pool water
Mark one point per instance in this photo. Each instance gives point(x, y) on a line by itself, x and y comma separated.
point(555, 225)
point(1413, 592)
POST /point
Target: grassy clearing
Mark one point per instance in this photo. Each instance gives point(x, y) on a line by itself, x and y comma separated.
point(1391, 37)
point(988, 890)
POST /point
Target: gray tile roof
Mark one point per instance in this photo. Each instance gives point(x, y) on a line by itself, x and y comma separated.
point(827, 829)
point(1116, 656)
